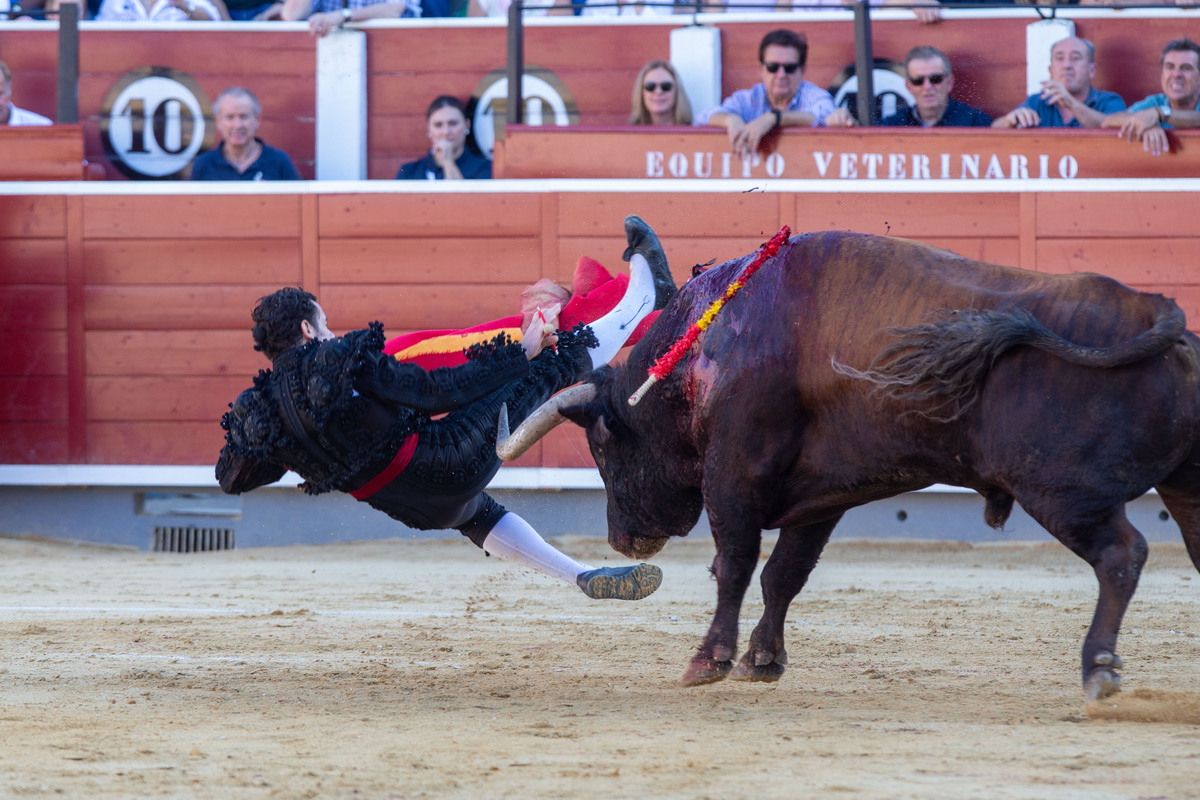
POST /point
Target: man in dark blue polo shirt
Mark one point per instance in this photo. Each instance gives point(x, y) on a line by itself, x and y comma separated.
point(241, 156)
point(929, 81)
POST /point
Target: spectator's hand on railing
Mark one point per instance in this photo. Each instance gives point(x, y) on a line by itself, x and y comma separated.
point(745, 136)
point(323, 22)
point(927, 14)
point(190, 8)
point(1138, 123)
point(1140, 126)
point(1020, 117)
point(841, 118)
point(736, 130)
point(1154, 141)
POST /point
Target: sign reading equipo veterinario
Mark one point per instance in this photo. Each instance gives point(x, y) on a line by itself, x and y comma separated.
point(871, 154)
point(870, 166)
point(154, 121)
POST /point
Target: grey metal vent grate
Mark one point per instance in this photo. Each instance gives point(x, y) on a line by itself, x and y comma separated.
point(190, 539)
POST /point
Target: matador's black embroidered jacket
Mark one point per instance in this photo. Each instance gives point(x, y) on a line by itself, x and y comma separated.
point(334, 411)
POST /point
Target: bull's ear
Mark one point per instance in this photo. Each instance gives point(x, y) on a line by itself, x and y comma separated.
point(603, 434)
point(590, 416)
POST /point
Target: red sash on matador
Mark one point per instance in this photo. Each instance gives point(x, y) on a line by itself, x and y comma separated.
point(596, 292)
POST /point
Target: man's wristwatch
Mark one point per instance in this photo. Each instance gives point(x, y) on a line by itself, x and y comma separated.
point(346, 14)
point(778, 118)
point(1164, 113)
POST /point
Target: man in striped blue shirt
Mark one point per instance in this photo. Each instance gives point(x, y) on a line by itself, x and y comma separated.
point(783, 98)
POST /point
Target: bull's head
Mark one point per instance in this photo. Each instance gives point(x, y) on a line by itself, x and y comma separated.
point(653, 493)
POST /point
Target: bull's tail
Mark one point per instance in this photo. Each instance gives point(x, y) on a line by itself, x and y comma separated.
point(939, 366)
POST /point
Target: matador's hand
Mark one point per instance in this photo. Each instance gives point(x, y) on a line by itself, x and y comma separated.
point(541, 331)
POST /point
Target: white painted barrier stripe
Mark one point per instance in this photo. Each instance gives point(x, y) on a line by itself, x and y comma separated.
point(147, 476)
point(142, 476)
point(599, 186)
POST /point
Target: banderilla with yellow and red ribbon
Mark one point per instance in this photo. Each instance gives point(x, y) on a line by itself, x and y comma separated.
point(667, 361)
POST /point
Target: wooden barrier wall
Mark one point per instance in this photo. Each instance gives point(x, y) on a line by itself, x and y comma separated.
point(860, 154)
point(411, 62)
point(41, 153)
point(126, 314)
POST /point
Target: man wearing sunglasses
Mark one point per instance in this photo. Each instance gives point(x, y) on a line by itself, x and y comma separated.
point(783, 98)
point(929, 81)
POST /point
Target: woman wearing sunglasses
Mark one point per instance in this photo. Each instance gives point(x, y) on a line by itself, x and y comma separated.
point(658, 97)
point(783, 98)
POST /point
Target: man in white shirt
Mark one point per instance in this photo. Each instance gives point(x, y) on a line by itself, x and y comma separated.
point(10, 114)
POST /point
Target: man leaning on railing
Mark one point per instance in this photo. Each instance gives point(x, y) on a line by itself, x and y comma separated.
point(1178, 106)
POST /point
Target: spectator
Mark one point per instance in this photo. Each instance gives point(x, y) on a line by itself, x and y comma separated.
point(625, 8)
point(927, 15)
point(10, 114)
point(1178, 106)
point(532, 8)
point(782, 99)
point(1067, 99)
point(327, 15)
point(658, 96)
point(162, 10)
point(247, 10)
point(45, 9)
point(241, 156)
point(448, 159)
point(930, 80)
point(1127, 2)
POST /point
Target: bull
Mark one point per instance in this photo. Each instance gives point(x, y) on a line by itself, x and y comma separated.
point(853, 368)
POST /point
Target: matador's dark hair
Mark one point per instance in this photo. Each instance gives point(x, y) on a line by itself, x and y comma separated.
point(277, 319)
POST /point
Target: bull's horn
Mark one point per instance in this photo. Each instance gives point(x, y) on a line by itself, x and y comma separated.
point(540, 422)
point(644, 241)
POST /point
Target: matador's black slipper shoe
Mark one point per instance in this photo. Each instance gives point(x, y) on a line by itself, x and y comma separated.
point(620, 583)
point(641, 238)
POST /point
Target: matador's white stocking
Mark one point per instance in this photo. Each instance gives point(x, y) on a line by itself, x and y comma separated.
point(514, 539)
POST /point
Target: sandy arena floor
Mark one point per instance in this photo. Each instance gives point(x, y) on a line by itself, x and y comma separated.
point(408, 669)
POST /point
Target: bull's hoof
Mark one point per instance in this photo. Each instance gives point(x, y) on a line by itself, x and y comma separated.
point(702, 671)
point(764, 673)
point(1104, 680)
point(1100, 684)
